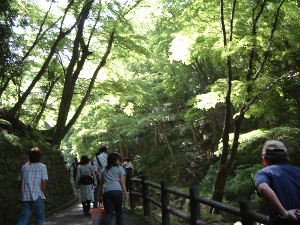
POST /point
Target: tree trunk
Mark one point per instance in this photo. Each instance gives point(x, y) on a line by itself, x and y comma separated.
point(4, 85)
point(220, 182)
point(194, 133)
point(71, 77)
point(156, 136)
point(38, 117)
point(222, 172)
point(121, 149)
point(167, 140)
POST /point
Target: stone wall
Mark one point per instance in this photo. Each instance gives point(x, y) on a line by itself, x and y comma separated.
point(13, 154)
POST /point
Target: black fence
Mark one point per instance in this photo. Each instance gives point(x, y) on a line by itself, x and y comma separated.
point(245, 212)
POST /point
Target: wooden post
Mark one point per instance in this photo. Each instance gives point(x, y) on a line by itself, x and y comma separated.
point(165, 197)
point(194, 206)
point(246, 207)
point(145, 192)
point(131, 197)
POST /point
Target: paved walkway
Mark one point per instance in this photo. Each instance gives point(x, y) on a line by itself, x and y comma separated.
point(74, 216)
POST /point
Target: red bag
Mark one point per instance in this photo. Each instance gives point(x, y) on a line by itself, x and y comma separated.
point(97, 216)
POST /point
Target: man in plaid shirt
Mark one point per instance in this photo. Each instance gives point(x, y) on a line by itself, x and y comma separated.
point(32, 185)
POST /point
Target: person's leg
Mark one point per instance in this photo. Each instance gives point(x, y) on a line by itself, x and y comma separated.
point(118, 199)
point(96, 197)
point(109, 207)
point(84, 207)
point(74, 176)
point(39, 211)
point(88, 207)
point(26, 213)
point(127, 181)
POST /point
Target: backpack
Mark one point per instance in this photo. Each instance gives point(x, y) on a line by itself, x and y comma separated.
point(86, 180)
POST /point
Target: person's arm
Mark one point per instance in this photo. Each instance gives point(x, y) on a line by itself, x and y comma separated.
point(269, 195)
point(20, 178)
point(43, 186)
point(19, 186)
point(123, 185)
point(44, 179)
point(101, 187)
point(77, 177)
point(94, 176)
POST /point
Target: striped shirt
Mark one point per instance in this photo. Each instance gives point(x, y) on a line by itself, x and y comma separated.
point(31, 177)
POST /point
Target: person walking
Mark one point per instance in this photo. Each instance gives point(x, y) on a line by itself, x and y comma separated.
point(75, 166)
point(32, 186)
point(85, 179)
point(128, 167)
point(101, 158)
point(113, 182)
point(96, 163)
point(279, 184)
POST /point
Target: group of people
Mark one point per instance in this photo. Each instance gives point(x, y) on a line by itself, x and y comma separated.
point(278, 183)
point(107, 183)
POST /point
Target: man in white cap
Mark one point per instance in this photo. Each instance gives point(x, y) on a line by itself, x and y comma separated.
point(279, 184)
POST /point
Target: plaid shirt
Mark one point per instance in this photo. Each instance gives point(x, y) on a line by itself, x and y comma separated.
point(31, 177)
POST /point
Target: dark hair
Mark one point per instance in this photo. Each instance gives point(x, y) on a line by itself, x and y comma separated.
point(275, 158)
point(84, 160)
point(34, 155)
point(112, 160)
point(127, 160)
point(102, 149)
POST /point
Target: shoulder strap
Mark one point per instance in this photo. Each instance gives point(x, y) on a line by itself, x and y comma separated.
point(99, 162)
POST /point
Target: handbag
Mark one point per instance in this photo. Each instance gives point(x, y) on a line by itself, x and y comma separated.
point(86, 179)
point(98, 215)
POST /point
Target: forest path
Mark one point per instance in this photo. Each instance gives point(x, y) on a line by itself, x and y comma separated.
point(74, 216)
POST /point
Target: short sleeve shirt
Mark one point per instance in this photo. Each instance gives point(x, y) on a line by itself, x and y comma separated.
point(103, 161)
point(85, 170)
point(112, 178)
point(31, 178)
point(284, 180)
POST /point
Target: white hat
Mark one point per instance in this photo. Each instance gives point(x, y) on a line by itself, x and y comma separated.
point(274, 146)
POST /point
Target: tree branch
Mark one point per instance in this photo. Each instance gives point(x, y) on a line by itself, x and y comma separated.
point(254, 33)
point(267, 52)
point(271, 85)
point(232, 19)
point(38, 34)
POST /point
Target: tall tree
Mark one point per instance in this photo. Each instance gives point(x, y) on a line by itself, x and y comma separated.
point(9, 60)
point(62, 34)
point(229, 152)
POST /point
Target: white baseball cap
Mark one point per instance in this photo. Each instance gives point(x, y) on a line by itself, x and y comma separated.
point(274, 147)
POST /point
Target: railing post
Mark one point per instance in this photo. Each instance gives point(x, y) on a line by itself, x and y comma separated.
point(194, 206)
point(165, 197)
point(145, 192)
point(131, 197)
point(246, 208)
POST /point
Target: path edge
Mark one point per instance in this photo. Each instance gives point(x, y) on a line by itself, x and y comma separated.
point(62, 207)
point(152, 220)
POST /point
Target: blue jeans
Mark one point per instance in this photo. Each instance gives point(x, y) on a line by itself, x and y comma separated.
point(37, 207)
point(113, 202)
point(96, 196)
